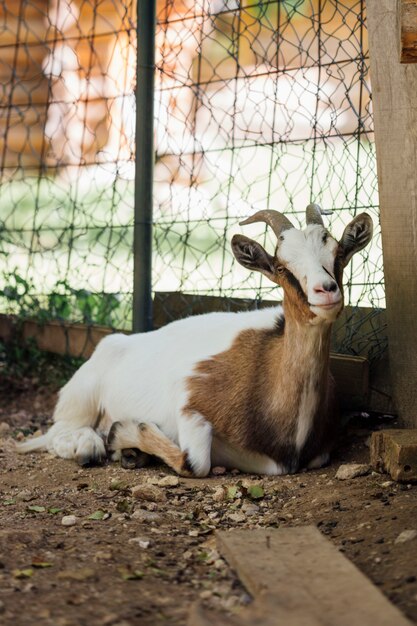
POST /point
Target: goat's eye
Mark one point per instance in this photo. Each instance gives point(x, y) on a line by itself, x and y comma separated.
point(280, 269)
point(324, 238)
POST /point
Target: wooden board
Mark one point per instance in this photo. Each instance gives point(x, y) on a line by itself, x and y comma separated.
point(394, 88)
point(407, 30)
point(298, 578)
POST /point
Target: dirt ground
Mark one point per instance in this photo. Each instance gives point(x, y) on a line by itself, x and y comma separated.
point(142, 548)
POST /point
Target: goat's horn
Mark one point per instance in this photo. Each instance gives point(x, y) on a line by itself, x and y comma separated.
point(313, 215)
point(277, 221)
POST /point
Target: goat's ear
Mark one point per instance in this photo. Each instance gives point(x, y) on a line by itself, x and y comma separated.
point(252, 255)
point(356, 236)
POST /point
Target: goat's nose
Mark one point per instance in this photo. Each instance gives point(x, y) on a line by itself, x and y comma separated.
point(328, 287)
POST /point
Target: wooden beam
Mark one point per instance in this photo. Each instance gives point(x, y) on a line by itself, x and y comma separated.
point(298, 578)
point(394, 88)
point(407, 29)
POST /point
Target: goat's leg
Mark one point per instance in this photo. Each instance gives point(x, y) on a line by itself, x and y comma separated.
point(150, 440)
point(195, 438)
point(73, 435)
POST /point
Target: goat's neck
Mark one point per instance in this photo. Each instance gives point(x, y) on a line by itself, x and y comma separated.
point(306, 343)
point(305, 348)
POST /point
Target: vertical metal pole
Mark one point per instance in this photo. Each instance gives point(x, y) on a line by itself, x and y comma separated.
point(142, 237)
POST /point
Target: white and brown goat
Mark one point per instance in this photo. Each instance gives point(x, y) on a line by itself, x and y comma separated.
point(248, 390)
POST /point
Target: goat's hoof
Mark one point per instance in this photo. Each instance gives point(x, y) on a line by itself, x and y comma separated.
point(90, 461)
point(186, 469)
point(133, 458)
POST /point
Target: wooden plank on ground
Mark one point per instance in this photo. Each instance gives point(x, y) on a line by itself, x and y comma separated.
point(407, 26)
point(394, 88)
point(300, 578)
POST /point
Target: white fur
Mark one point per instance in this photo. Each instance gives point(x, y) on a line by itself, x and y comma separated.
point(306, 255)
point(141, 378)
point(232, 457)
point(195, 438)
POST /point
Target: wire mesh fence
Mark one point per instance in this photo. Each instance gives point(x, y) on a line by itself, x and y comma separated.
point(258, 104)
point(67, 157)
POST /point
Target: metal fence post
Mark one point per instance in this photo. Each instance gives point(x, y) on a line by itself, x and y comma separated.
point(142, 238)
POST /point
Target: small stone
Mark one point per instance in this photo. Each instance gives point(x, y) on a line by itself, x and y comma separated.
point(141, 542)
point(150, 493)
point(168, 481)
point(352, 470)
point(4, 429)
point(387, 483)
point(206, 594)
point(69, 520)
point(218, 470)
point(219, 494)
point(237, 517)
point(249, 508)
point(146, 516)
point(24, 496)
point(406, 535)
point(193, 533)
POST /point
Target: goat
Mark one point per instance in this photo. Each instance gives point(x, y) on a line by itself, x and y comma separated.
point(247, 390)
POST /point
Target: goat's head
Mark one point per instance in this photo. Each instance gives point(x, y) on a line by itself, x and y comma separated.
point(308, 264)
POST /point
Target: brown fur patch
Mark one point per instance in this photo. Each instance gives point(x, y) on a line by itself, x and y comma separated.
point(153, 441)
point(251, 393)
point(148, 438)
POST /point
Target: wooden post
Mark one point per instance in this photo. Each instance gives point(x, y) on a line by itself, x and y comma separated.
point(407, 22)
point(394, 88)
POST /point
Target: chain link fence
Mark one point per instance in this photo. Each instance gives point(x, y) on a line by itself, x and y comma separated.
point(258, 105)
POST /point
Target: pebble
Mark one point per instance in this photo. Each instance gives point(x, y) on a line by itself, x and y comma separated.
point(250, 508)
point(219, 494)
point(406, 535)
point(141, 542)
point(237, 517)
point(4, 429)
point(352, 470)
point(146, 516)
point(218, 470)
point(168, 481)
point(69, 520)
point(387, 483)
point(148, 492)
point(24, 496)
